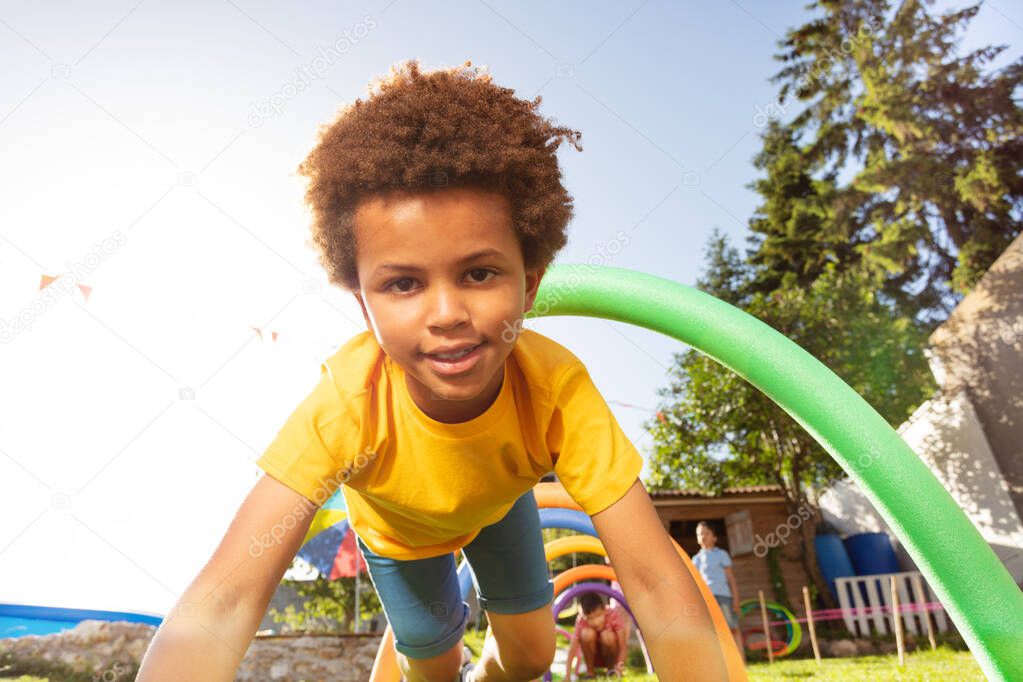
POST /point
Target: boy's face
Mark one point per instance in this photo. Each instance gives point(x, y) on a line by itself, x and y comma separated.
point(425, 286)
point(705, 536)
point(595, 618)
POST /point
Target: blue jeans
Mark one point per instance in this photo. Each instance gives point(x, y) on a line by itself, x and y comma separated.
point(422, 599)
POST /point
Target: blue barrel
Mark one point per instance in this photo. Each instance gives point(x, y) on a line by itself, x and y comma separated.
point(832, 559)
point(871, 553)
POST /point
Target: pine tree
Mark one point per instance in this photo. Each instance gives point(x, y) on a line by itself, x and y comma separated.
point(791, 228)
point(934, 140)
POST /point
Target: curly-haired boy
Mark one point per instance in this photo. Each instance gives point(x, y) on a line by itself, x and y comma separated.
point(438, 203)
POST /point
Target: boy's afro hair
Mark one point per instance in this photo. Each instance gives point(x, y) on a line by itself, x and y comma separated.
point(426, 131)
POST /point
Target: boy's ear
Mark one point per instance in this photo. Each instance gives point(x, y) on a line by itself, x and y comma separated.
point(365, 312)
point(533, 279)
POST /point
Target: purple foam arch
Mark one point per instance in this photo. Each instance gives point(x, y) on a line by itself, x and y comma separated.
point(583, 588)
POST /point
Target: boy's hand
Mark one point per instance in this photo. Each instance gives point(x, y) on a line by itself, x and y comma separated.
point(735, 606)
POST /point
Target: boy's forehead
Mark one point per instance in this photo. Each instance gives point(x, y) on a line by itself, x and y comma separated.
point(402, 206)
point(399, 225)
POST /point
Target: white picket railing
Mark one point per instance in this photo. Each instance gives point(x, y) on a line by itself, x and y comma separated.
point(865, 601)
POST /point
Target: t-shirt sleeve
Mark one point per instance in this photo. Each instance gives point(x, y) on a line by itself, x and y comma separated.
point(593, 458)
point(726, 559)
point(308, 454)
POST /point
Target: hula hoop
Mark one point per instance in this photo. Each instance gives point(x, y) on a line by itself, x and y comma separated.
point(793, 631)
point(753, 645)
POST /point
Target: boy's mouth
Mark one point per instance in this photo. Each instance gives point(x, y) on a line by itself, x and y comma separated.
point(455, 359)
point(453, 352)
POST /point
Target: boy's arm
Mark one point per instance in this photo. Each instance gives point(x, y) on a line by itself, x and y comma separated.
point(666, 601)
point(573, 652)
point(730, 574)
point(623, 645)
point(207, 632)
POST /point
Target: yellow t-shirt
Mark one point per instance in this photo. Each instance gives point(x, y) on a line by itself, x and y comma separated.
point(417, 488)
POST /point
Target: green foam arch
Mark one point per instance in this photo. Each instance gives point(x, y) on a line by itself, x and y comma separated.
point(973, 585)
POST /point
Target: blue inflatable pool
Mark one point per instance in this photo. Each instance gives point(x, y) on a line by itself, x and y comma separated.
point(17, 620)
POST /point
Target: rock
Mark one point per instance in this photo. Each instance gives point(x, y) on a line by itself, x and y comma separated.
point(112, 651)
point(92, 647)
point(279, 670)
point(333, 657)
point(842, 648)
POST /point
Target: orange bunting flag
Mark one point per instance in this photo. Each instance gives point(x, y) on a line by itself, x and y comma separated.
point(273, 335)
point(46, 280)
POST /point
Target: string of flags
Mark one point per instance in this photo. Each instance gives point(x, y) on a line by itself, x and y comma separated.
point(259, 332)
point(659, 413)
point(46, 280)
point(86, 290)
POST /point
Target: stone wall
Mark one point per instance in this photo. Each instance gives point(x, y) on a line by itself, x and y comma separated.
point(309, 658)
point(112, 652)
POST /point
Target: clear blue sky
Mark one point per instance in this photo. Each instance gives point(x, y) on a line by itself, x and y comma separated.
point(134, 161)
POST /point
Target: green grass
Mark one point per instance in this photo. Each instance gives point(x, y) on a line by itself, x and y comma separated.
point(921, 666)
point(943, 664)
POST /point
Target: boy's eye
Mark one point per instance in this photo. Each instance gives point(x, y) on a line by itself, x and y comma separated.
point(403, 279)
point(480, 271)
point(479, 275)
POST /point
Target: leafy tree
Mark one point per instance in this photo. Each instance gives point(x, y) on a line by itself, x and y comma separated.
point(715, 429)
point(935, 142)
point(329, 605)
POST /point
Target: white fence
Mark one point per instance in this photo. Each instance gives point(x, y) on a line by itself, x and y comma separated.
point(866, 601)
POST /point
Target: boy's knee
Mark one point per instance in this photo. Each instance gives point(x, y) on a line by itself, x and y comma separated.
point(532, 666)
point(441, 668)
point(587, 635)
point(608, 637)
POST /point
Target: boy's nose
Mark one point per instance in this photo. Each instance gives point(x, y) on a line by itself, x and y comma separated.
point(447, 308)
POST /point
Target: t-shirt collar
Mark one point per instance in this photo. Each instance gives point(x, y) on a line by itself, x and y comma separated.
point(458, 430)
